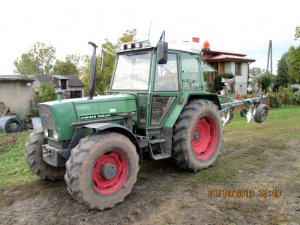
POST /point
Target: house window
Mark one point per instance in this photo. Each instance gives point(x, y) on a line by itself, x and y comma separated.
point(238, 69)
point(63, 84)
point(75, 94)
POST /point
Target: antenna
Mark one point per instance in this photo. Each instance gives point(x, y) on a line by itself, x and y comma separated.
point(149, 30)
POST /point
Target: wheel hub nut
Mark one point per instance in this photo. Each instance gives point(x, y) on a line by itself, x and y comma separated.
point(108, 171)
point(196, 135)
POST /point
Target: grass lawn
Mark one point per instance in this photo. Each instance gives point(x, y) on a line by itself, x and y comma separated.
point(13, 166)
point(254, 156)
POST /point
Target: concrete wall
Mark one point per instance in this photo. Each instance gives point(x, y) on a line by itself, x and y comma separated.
point(17, 96)
point(230, 67)
point(240, 80)
point(67, 91)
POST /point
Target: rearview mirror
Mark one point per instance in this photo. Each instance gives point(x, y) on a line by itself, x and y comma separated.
point(162, 52)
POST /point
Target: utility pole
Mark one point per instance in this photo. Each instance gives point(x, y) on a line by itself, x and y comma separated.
point(270, 58)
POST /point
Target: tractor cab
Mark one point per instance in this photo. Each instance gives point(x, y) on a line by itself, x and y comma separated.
point(158, 77)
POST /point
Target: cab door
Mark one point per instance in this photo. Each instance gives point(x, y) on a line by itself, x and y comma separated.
point(166, 90)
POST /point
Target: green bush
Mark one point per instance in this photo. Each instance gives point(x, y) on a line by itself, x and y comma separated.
point(286, 96)
point(274, 101)
point(218, 84)
point(265, 83)
point(46, 92)
point(279, 82)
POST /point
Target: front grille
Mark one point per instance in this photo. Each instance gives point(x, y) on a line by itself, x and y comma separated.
point(46, 117)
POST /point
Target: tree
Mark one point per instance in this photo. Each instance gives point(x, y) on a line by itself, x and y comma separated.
point(266, 81)
point(65, 68)
point(103, 78)
point(256, 70)
point(47, 92)
point(282, 79)
point(39, 60)
point(128, 36)
point(79, 61)
point(26, 65)
point(293, 60)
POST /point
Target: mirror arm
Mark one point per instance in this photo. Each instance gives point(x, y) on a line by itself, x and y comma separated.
point(162, 36)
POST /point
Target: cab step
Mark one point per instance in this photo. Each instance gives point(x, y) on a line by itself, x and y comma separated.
point(160, 156)
point(159, 141)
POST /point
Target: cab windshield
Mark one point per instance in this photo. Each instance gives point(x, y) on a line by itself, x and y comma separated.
point(132, 71)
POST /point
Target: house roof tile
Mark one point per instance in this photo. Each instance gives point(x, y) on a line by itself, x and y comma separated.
point(227, 57)
point(73, 80)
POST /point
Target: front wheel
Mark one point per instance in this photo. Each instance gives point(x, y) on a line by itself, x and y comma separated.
point(197, 136)
point(34, 158)
point(102, 170)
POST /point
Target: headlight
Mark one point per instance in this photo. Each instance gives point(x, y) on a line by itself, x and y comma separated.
point(50, 133)
point(55, 135)
point(46, 132)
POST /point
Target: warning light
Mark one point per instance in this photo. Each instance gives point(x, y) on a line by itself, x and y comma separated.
point(206, 46)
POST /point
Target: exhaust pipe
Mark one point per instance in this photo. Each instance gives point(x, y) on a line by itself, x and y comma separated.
point(92, 80)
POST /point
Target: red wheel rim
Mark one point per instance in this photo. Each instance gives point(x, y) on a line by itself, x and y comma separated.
point(117, 160)
point(205, 137)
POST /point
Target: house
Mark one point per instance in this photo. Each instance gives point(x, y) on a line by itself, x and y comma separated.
point(228, 62)
point(71, 85)
point(17, 93)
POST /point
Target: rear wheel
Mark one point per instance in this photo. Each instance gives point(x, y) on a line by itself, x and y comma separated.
point(197, 136)
point(34, 158)
point(102, 170)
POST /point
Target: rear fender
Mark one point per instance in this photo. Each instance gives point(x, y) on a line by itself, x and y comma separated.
point(188, 97)
point(207, 96)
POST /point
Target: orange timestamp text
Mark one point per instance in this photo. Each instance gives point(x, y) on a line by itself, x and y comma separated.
point(244, 193)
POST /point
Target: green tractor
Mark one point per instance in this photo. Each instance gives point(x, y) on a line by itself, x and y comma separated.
point(158, 105)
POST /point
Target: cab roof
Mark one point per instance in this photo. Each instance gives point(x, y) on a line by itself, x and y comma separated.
point(174, 45)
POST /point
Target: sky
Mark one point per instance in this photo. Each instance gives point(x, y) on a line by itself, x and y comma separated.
point(242, 26)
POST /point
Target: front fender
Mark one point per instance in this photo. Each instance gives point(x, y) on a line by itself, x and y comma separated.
point(116, 128)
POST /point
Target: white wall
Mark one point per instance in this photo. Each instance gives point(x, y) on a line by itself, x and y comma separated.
point(18, 96)
point(230, 67)
point(240, 80)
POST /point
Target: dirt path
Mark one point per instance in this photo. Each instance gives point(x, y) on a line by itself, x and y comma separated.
point(164, 194)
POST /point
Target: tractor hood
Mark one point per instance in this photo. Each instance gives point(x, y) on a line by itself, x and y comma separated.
point(57, 116)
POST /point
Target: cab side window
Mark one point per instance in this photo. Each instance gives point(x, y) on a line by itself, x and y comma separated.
point(166, 76)
point(190, 72)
